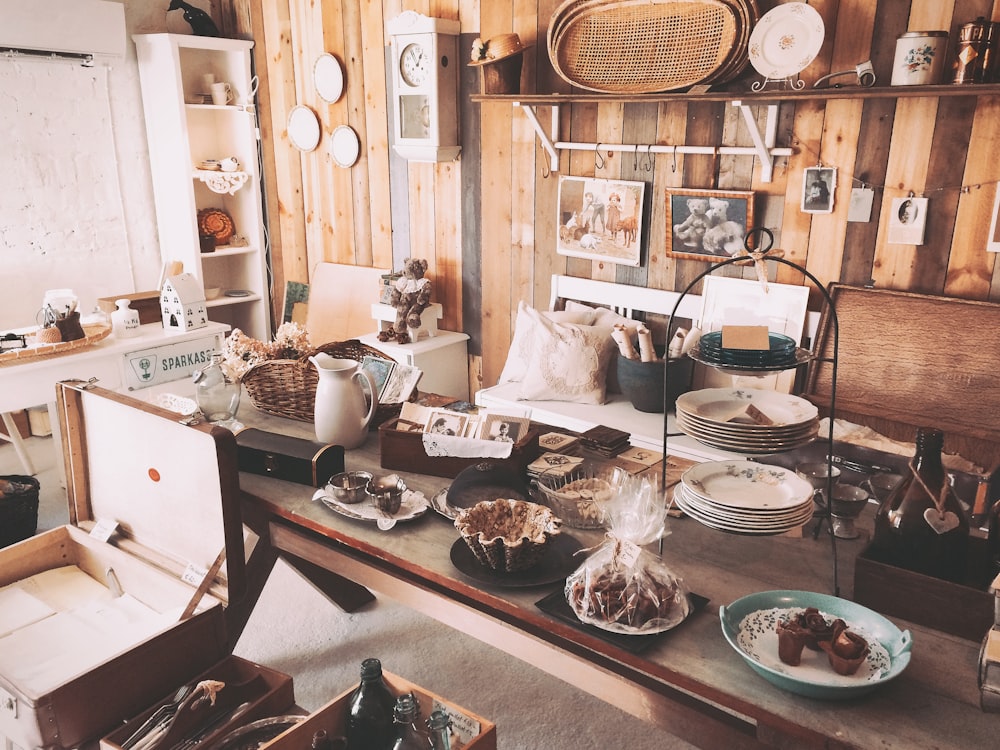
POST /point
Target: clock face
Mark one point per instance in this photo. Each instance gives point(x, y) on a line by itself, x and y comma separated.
point(414, 64)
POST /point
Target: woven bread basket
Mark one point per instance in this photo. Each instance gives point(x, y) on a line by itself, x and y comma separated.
point(287, 387)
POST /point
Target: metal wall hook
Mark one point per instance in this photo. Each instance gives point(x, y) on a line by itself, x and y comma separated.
point(597, 155)
point(648, 163)
point(673, 167)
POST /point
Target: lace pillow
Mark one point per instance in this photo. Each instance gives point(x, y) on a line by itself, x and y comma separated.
point(569, 362)
point(519, 353)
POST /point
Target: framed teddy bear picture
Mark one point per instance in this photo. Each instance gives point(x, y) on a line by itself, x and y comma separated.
point(708, 224)
point(600, 219)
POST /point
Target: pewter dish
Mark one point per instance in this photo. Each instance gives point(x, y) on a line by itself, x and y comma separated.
point(743, 625)
point(439, 502)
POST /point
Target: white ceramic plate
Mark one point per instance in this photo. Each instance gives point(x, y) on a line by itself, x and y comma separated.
point(328, 77)
point(747, 484)
point(755, 520)
point(303, 128)
point(785, 40)
point(344, 146)
point(722, 405)
point(740, 526)
point(745, 620)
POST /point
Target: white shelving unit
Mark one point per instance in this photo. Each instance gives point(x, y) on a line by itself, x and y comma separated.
point(183, 132)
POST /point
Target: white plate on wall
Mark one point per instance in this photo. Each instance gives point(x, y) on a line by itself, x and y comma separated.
point(345, 146)
point(785, 40)
point(303, 128)
point(328, 77)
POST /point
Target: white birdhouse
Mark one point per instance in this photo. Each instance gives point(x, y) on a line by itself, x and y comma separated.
point(182, 303)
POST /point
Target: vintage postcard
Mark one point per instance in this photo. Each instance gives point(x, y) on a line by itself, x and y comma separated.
point(502, 427)
point(400, 384)
point(445, 422)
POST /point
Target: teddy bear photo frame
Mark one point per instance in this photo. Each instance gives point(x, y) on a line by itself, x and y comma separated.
point(708, 224)
point(601, 219)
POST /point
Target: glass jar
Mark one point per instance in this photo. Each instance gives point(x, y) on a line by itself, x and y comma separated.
point(216, 392)
point(921, 525)
point(370, 724)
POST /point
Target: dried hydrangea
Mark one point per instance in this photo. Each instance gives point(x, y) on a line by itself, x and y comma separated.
point(291, 341)
point(478, 49)
point(241, 352)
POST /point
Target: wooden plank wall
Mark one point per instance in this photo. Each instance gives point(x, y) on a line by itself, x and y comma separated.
point(485, 255)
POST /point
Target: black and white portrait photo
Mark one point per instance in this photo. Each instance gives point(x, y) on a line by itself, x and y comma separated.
point(907, 221)
point(818, 187)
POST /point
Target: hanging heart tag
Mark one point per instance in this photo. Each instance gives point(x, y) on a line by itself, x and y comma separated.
point(942, 523)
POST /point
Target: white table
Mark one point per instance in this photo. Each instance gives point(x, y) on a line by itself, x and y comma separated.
point(117, 363)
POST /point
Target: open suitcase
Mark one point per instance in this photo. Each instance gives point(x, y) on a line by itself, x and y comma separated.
point(155, 526)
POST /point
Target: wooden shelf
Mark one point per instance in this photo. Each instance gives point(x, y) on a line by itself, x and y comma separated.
point(750, 97)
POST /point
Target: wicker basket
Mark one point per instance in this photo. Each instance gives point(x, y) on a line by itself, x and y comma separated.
point(18, 508)
point(287, 387)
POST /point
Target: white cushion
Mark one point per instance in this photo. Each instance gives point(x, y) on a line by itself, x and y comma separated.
point(569, 362)
point(520, 346)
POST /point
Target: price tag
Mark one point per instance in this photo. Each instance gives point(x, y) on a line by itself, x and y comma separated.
point(194, 575)
point(628, 553)
point(103, 529)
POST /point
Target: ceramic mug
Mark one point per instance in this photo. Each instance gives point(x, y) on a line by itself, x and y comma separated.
point(222, 93)
point(229, 164)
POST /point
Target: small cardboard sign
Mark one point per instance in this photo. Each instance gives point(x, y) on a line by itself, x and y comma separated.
point(746, 337)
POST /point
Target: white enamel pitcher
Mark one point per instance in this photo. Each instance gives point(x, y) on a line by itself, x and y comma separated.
point(341, 413)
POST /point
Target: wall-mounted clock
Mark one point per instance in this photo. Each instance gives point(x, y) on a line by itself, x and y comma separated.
point(424, 86)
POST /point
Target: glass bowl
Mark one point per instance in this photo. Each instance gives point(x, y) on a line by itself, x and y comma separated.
point(578, 495)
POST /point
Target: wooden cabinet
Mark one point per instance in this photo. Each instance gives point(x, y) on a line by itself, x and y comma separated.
point(185, 130)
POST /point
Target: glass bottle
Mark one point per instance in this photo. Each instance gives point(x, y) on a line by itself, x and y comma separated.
point(217, 394)
point(439, 725)
point(370, 711)
point(408, 735)
point(921, 526)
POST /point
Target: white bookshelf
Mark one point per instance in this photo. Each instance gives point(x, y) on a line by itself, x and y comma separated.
point(183, 132)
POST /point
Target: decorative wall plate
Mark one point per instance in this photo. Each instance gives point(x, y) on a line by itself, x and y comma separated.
point(344, 146)
point(785, 40)
point(303, 128)
point(328, 77)
point(217, 222)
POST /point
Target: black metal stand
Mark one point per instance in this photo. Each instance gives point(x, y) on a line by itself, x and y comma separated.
point(826, 514)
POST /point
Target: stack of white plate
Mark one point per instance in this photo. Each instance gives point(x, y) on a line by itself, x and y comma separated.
point(747, 420)
point(743, 497)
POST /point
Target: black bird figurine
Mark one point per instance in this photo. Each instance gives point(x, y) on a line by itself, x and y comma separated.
point(201, 23)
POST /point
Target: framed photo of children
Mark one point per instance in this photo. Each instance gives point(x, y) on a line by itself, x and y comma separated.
point(600, 219)
point(708, 224)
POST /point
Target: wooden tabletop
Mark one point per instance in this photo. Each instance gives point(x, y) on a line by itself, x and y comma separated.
point(689, 680)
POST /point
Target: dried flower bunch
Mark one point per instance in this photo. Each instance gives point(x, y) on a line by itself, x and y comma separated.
point(241, 352)
point(478, 50)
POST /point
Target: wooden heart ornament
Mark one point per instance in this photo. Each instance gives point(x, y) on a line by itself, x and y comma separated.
point(942, 523)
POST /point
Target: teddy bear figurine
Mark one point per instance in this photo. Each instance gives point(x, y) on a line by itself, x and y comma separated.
point(411, 294)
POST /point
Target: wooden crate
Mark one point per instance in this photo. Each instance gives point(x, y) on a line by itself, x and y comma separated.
point(404, 451)
point(266, 691)
point(156, 497)
point(473, 732)
point(963, 610)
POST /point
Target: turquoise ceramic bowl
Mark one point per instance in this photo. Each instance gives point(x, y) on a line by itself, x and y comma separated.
point(890, 646)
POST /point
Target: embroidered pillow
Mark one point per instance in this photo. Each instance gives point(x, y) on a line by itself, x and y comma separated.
point(569, 362)
point(520, 346)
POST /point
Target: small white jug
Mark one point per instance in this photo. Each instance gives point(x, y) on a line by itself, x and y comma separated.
point(341, 414)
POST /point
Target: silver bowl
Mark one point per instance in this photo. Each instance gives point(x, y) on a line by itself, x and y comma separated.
point(349, 487)
point(387, 493)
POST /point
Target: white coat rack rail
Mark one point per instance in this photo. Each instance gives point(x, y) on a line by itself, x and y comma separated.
point(763, 143)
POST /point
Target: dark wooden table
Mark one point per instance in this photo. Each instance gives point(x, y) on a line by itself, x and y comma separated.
point(689, 681)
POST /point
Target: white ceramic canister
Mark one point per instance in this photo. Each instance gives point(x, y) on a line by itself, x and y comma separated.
point(919, 59)
point(124, 320)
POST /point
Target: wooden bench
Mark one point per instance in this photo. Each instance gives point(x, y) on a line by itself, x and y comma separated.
point(646, 428)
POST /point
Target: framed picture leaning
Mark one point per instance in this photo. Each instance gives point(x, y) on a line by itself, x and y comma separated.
point(708, 224)
point(600, 219)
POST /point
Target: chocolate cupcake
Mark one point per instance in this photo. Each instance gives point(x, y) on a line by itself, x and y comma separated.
point(792, 638)
point(846, 650)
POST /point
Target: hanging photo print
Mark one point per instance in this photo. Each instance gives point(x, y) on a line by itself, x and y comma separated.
point(907, 220)
point(708, 224)
point(818, 187)
point(601, 219)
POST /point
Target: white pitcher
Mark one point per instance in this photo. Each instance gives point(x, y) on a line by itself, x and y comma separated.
point(341, 414)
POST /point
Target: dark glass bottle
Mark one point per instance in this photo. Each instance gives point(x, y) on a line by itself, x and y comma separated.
point(370, 711)
point(408, 735)
point(921, 526)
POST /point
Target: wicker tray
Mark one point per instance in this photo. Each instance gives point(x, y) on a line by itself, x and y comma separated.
point(94, 332)
point(287, 387)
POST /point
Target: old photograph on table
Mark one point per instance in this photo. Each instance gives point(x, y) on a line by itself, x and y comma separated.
point(445, 422)
point(708, 224)
point(503, 428)
point(907, 221)
point(819, 185)
point(401, 383)
point(600, 219)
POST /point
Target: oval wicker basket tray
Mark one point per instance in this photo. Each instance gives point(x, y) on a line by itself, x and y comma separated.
point(287, 387)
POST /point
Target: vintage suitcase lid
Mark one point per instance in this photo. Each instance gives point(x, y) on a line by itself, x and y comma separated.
point(172, 486)
point(907, 360)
